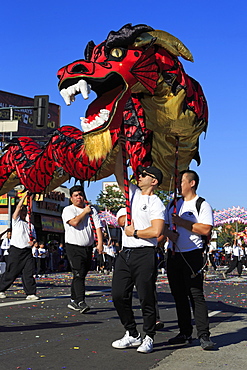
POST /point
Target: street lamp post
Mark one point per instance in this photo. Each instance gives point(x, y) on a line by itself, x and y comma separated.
point(11, 194)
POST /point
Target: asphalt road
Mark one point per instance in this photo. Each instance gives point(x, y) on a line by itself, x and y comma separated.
point(45, 334)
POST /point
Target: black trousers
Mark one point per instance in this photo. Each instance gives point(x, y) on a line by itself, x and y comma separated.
point(212, 260)
point(135, 266)
point(235, 263)
point(228, 259)
point(187, 289)
point(80, 259)
point(41, 266)
point(110, 261)
point(20, 261)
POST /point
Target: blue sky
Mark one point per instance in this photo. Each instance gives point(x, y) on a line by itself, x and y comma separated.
point(37, 38)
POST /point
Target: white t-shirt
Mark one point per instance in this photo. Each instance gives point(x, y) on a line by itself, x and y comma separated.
point(211, 248)
point(5, 246)
point(228, 249)
point(20, 233)
point(237, 251)
point(166, 246)
point(82, 234)
point(42, 252)
point(35, 252)
point(144, 209)
point(110, 250)
point(188, 241)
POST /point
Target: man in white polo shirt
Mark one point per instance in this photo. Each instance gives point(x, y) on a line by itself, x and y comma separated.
point(79, 241)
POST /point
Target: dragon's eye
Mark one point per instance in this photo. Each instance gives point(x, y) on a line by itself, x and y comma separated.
point(116, 53)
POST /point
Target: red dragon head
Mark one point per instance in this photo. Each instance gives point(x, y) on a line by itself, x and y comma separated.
point(142, 91)
point(138, 66)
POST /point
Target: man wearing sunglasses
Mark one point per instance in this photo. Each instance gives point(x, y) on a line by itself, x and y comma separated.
point(136, 263)
point(79, 241)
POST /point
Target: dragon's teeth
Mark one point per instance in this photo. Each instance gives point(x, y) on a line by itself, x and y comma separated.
point(84, 124)
point(69, 93)
point(98, 121)
point(83, 88)
point(66, 97)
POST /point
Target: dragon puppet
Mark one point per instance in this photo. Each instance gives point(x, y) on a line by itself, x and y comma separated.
point(142, 91)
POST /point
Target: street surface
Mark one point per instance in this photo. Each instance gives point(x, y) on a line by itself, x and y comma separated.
point(45, 334)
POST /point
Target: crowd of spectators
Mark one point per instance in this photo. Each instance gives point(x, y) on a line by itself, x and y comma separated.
point(224, 255)
point(104, 263)
point(48, 258)
point(51, 257)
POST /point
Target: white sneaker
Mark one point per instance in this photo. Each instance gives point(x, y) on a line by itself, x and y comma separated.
point(127, 341)
point(224, 274)
point(2, 295)
point(146, 346)
point(32, 297)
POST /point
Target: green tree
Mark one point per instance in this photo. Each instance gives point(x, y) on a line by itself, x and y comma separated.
point(111, 198)
point(165, 196)
point(226, 232)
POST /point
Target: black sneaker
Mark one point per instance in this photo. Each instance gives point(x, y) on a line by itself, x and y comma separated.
point(83, 307)
point(180, 339)
point(206, 342)
point(159, 325)
point(73, 306)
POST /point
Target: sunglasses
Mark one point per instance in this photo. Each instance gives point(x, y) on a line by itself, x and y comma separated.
point(144, 174)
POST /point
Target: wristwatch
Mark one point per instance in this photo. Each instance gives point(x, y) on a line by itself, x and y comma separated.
point(135, 234)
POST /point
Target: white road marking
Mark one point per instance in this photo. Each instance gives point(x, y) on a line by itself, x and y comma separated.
point(213, 313)
point(42, 299)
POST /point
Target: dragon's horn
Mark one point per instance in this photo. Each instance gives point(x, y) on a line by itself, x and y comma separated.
point(165, 40)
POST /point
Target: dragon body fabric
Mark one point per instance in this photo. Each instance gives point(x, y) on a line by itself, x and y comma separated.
point(142, 91)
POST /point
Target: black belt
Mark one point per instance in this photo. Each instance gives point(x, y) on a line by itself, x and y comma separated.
point(133, 248)
point(80, 246)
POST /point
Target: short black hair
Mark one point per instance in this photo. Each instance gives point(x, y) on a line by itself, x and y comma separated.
point(192, 176)
point(76, 188)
